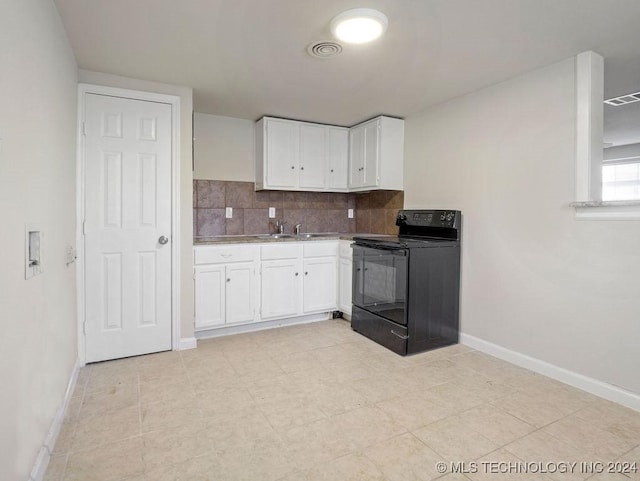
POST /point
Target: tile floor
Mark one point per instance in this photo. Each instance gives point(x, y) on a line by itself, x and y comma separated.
point(320, 402)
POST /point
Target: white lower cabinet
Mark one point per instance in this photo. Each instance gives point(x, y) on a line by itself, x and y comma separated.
point(320, 284)
point(345, 273)
point(240, 292)
point(242, 284)
point(224, 294)
point(320, 280)
point(210, 296)
point(298, 278)
point(280, 286)
point(225, 285)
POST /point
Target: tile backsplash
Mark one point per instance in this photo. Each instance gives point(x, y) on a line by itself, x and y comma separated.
point(317, 211)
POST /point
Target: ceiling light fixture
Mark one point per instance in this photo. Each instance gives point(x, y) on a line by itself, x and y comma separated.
point(359, 25)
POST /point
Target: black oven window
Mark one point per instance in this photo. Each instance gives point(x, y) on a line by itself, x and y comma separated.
point(381, 283)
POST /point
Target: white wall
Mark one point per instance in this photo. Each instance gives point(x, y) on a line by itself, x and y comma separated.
point(186, 178)
point(38, 345)
point(534, 279)
point(223, 148)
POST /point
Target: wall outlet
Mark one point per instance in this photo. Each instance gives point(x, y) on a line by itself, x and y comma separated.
point(350, 213)
point(229, 213)
point(272, 212)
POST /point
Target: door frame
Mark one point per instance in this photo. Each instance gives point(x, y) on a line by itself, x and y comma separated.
point(174, 102)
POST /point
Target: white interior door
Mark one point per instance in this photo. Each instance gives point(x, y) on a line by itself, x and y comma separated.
point(127, 228)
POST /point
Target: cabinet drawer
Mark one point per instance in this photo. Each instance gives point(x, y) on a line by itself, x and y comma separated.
point(346, 250)
point(320, 249)
point(286, 250)
point(223, 254)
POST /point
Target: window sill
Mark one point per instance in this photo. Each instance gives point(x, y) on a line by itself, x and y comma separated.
point(607, 210)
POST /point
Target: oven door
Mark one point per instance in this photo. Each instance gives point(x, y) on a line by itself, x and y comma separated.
point(380, 281)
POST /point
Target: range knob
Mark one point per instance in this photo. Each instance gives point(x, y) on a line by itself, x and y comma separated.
point(401, 219)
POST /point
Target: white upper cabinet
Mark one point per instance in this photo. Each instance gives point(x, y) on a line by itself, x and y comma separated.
point(337, 165)
point(282, 149)
point(313, 152)
point(293, 155)
point(376, 155)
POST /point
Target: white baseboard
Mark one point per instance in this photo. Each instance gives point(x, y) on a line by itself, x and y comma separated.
point(187, 343)
point(42, 461)
point(261, 326)
point(40, 466)
point(591, 385)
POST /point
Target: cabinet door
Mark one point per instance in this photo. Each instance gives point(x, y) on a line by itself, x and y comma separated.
point(320, 284)
point(346, 279)
point(209, 296)
point(283, 138)
point(312, 156)
point(337, 158)
point(240, 292)
point(371, 153)
point(280, 288)
point(356, 156)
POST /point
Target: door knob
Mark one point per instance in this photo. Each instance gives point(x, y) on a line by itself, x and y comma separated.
point(163, 239)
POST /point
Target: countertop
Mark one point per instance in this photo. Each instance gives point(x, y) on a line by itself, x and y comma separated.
point(261, 238)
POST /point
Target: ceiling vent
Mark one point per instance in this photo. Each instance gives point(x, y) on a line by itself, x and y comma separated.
point(324, 49)
point(623, 99)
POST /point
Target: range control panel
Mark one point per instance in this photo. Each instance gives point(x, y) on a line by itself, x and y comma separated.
point(429, 218)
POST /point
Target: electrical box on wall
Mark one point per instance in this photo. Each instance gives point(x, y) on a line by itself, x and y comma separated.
point(33, 238)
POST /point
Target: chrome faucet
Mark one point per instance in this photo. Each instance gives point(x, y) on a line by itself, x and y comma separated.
point(296, 229)
point(280, 226)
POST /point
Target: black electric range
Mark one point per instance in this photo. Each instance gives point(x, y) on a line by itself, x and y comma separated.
point(406, 288)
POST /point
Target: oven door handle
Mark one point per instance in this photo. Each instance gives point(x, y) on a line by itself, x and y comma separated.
point(401, 336)
point(400, 251)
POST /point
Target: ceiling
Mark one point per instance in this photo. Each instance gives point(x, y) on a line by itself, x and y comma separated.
point(247, 58)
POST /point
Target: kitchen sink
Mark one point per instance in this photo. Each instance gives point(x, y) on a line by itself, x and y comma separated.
point(275, 236)
point(323, 234)
point(299, 236)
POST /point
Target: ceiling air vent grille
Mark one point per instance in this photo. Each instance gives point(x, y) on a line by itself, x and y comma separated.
point(623, 99)
point(324, 49)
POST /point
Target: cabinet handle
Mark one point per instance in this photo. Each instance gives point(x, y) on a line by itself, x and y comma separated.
point(306, 273)
point(332, 171)
point(296, 273)
point(228, 279)
point(301, 168)
point(226, 255)
point(292, 167)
